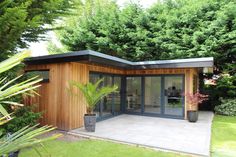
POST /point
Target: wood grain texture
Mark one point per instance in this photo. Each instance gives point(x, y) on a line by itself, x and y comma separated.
point(79, 73)
point(65, 111)
point(104, 69)
point(53, 100)
point(156, 71)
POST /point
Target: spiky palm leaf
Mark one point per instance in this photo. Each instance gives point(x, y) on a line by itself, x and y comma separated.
point(9, 89)
point(93, 93)
point(27, 136)
point(13, 61)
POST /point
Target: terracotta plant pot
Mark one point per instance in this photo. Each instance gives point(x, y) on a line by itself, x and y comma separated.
point(90, 122)
point(192, 116)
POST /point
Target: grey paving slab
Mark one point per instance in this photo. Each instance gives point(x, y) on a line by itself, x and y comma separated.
point(162, 133)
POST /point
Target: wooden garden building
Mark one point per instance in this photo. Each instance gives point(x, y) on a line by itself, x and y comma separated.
point(147, 88)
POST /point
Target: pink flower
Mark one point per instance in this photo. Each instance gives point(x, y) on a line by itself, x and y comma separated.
point(196, 98)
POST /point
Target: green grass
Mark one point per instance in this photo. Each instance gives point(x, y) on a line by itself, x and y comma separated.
point(223, 136)
point(94, 148)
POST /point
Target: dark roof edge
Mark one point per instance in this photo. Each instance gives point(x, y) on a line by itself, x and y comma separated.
point(96, 57)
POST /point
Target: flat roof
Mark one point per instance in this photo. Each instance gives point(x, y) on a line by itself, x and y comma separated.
point(89, 56)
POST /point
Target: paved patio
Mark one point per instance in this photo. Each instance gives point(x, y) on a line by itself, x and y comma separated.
point(161, 133)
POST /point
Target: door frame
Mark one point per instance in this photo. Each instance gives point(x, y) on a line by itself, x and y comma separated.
point(183, 97)
point(123, 96)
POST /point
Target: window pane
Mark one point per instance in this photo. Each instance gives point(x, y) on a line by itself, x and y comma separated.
point(44, 74)
point(107, 100)
point(173, 95)
point(110, 104)
point(133, 98)
point(152, 95)
point(117, 95)
point(93, 78)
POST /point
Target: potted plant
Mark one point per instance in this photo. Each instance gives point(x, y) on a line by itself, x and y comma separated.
point(93, 93)
point(193, 101)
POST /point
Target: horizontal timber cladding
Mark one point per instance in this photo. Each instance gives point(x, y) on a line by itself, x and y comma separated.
point(65, 111)
point(105, 69)
point(156, 71)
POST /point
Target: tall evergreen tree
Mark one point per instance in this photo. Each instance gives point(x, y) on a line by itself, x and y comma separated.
point(169, 29)
point(23, 21)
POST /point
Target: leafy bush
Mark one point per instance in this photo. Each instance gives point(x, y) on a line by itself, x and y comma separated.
point(227, 107)
point(23, 116)
point(226, 86)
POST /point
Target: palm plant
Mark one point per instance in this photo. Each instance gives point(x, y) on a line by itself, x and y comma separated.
point(26, 136)
point(93, 93)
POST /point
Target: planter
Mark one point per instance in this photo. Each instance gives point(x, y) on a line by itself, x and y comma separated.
point(192, 116)
point(90, 122)
point(14, 154)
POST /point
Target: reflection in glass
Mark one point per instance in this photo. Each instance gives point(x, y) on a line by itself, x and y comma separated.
point(117, 95)
point(93, 78)
point(44, 74)
point(152, 103)
point(173, 95)
point(110, 104)
point(107, 100)
point(133, 98)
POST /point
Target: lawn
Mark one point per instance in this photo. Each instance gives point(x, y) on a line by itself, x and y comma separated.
point(223, 136)
point(94, 148)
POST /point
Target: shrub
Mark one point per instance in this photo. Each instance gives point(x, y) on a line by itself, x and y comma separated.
point(23, 116)
point(227, 107)
point(226, 86)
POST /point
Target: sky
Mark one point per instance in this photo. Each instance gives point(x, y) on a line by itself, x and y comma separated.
point(40, 48)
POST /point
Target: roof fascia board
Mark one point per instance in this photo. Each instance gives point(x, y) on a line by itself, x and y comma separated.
point(99, 58)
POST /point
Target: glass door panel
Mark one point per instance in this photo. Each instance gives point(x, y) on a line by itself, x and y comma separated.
point(152, 99)
point(110, 104)
point(117, 95)
point(133, 97)
point(107, 100)
point(173, 89)
point(93, 78)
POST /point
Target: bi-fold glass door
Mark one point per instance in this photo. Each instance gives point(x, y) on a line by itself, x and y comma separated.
point(155, 95)
point(110, 105)
point(133, 94)
point(160, 95)
point(152, 95)
point(107, 101)
point(173, 95)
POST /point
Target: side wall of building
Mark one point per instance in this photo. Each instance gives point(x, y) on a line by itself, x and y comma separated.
point(53, 100)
